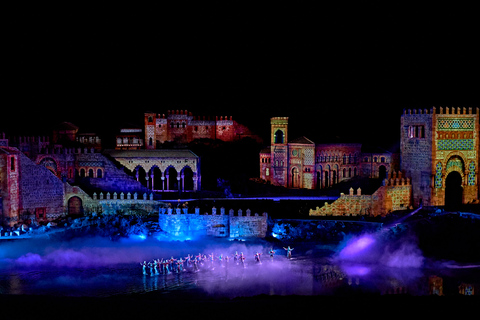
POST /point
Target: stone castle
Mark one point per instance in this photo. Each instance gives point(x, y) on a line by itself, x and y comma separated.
point(183, 127)
point(42, 179)
point(439, 153)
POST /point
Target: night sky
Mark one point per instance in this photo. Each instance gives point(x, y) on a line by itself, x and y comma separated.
point(341, 74)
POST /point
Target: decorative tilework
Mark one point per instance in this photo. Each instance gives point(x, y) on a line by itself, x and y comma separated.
point(455, 162)
point(449, 124)
point(471, 174)
point(438, 175)
point(455, 144)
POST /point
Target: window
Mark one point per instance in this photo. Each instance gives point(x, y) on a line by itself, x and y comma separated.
point(267, 172)
point(150, 141)
point(99, 173)
point(382, 159)
point(365, 159)
point(150, 119)
point(12, 163)
point(279, 136)
point(417, 131)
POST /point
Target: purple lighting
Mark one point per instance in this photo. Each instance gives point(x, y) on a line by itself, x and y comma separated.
point(357, 246)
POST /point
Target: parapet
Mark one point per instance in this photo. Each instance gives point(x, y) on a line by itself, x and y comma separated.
point(442, 110)
point(396, 179)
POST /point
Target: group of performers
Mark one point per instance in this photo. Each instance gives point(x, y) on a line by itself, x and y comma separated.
point(193, 263)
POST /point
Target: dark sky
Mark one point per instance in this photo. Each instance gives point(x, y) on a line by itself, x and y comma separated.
point(342, 72)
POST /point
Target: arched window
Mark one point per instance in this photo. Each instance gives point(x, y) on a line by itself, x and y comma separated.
point(349, 172)
point(279, 136)
point(382, 159)
point(99, 173)
point(344, 172)
point(355, 171)
point(344, 159)
point(90, 173)
point(150, 141)
point(82, 173)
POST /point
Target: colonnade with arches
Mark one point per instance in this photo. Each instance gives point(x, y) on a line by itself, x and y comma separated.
point(171, 179)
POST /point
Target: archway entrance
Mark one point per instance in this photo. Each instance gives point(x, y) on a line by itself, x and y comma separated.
point(75, 206)
point(382, 172)
point(453, 190)
point(295, 178)
point(187, 176)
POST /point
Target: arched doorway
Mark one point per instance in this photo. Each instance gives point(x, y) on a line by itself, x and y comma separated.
point(295, 178)
point(171, 178)
point(187, 175)
point(326, 179)
point(382, 172)
point(75, 206)
point(319, 180)
point(453, 190)
point(157, 179)
point(140, 174)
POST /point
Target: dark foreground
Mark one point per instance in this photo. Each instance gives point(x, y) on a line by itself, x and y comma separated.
point(160, 306)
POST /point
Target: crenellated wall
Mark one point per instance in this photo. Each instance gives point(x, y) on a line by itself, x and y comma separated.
point(395, 194)
point(179, 223)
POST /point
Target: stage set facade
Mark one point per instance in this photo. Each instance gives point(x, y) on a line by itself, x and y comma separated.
point(439, 151)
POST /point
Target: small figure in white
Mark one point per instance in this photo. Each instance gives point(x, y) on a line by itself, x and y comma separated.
point(144, 267)
point(289, 252)
point(271, 253)
point(257, 258)
point(155, 266)
point(242, 259)
point(235, 257)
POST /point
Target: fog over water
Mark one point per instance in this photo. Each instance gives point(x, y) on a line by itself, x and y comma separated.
point(95, 266)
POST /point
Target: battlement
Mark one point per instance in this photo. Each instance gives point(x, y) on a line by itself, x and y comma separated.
point(29, 139)
point(279, 120)
point(121, 196)
point(442, 110)
point(179, 112)
point(396, 179)
point(178, 222)
point(214, 212)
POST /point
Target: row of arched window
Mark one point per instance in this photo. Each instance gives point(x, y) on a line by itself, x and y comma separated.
point(90, 173)
point(350, 159)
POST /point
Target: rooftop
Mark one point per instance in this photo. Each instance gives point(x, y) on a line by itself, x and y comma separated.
point(158, 153)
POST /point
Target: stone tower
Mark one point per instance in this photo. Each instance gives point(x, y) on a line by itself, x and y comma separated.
point(279, 150)
point(439, 150)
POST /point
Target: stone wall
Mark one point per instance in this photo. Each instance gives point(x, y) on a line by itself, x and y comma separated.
point(394, 195)
point(179, 223)
point(40, 190)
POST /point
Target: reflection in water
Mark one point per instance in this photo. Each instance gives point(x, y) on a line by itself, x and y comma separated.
point(299, 276)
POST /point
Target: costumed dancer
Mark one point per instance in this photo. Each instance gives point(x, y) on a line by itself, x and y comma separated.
point(289, 252)
point(144, 267)
point(155, 266)
point(235, 257)
point(257, 258)
point(242, 259)
point(271, 253)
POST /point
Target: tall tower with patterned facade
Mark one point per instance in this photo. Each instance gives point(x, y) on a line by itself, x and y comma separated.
point(279, 151)
point(440, 150)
